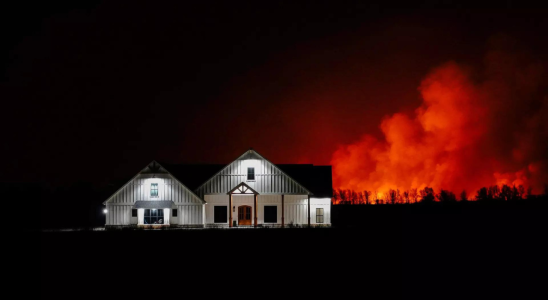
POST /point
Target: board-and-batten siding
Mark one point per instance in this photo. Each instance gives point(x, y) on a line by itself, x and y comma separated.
point(296, 210)
point(268, 179)
point(169, 189)
point(119, 205)
point(118, 214)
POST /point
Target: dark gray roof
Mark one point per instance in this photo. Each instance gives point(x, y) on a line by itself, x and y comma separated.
point(317, 179)
point(153, 204)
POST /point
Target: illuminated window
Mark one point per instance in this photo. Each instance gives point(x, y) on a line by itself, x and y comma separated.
point(319, 215)
point(154, 216)
point(250, 173)
point(219, 214)
point(174, 212)
point(134, 212)
point(270, 214)
point(153, 190)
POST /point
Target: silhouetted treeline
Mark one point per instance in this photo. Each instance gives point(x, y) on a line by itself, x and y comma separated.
point(428, 195)
point(80, 205)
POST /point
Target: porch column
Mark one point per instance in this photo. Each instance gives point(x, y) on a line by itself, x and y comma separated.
point(230, 210)
point(283, 219)
point(309, 210)
point(255, 208)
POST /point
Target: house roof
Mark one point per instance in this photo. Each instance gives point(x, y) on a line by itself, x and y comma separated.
point(317, 179)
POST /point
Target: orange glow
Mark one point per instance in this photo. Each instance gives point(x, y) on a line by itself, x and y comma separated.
point(455, 140)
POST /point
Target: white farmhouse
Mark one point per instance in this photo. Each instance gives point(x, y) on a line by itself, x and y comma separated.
point(250, 191)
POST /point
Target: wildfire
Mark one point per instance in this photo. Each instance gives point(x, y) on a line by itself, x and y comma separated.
point(467, 134)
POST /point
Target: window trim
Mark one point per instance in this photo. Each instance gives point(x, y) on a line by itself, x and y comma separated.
point(155, 184)
point(253, 173)
point(157, 216)
point(320, 215)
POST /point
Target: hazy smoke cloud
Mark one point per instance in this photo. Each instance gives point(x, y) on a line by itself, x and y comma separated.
point(473, 129)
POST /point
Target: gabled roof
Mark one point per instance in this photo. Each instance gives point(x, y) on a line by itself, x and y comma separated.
point(193, 175)
point(317, 179)
point(252, 154)
point(153, 167)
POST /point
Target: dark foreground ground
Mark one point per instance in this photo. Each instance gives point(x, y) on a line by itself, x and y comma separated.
point(433, 253)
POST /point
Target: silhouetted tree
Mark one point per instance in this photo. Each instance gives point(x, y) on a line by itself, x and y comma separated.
point(521, 191)
point(427, 195)
point(529, 192)
point(447, 196)
point(493, 192)
point(463, 196)
point(406, 196)
point(482, 194)
point(506, 193)
point(367, 196)
point(353, 197)
point(336, 199)
point(344, 197)
point(515, 193)
point(414, 195)
point(392, 196)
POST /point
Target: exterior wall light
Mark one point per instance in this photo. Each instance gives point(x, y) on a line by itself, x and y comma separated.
point(105, 211)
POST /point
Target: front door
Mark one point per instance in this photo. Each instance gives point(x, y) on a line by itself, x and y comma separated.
point(244, 215)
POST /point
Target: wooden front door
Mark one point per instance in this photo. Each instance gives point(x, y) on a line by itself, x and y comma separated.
point(244, 215)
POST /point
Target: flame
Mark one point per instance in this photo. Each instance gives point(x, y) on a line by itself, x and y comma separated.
point(466, 134)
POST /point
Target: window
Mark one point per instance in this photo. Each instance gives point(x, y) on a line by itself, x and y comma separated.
point(174, 212)
point(154, 216)
point(153, 190)
point(270, 214)
point(250, 173)
point(219, 214)
point(134, 212)
point(319, 215)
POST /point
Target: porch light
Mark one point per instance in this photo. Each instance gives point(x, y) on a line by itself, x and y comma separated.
point(105, 211)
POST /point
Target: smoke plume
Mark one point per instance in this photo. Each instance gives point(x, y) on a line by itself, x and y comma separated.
point(474, 128)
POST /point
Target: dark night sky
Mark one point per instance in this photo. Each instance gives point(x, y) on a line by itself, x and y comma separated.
point(96, 91)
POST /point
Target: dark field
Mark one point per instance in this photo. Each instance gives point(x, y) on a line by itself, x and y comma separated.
point(393, 252)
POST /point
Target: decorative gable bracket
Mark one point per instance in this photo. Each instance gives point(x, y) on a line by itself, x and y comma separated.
point(242, 188)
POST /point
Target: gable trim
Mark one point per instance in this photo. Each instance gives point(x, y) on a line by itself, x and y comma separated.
point(242, 184)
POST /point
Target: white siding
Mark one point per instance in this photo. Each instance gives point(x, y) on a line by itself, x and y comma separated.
point(296, 210)
point(269, 200)
point(212, 201)
point(190, 214)
point(295, 207)
point(120, 204)
point(118, 214)
point(269, 179)
point(169, 189)
point(324, 203)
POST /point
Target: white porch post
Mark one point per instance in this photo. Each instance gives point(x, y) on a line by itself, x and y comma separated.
point(167, 215)
point(140, 216)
